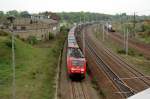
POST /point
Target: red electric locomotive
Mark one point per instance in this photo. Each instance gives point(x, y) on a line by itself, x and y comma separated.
point(76, 63)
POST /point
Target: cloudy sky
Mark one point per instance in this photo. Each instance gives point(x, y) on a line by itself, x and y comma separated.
point(101, 6)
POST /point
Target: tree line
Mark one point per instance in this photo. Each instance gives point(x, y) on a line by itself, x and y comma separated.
point(82, 16)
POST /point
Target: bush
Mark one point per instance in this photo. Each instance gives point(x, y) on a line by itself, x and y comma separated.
point(121, 51)
point(32, 40)
point(147, 28)
point(8, 43)
point(131, 52)
point(2, 33)
point(51, 36)
point(64, 29)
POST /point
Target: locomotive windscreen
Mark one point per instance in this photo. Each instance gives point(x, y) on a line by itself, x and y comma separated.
point(75, 52)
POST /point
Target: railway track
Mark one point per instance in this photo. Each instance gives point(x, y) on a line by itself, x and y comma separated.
point(69, 89)
point(126, 80)
point(137, 74)
point(120, 80)
point(127, 66)
point(125, 90)
point(142, 48)
point(78, 91)
point(120, 62)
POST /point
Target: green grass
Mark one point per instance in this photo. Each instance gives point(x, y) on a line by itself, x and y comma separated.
point(145, 39)
point(35, 69)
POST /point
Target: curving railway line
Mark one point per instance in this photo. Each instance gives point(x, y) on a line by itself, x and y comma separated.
point(137, 74)
point(124, 89)
point(123, 75)
point(125, 79)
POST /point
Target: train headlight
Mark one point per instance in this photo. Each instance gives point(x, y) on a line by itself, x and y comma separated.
point(72, 69)
point(82, 70)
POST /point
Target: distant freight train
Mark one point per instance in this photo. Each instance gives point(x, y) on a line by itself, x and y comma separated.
point(109, 27)
point(76, 62)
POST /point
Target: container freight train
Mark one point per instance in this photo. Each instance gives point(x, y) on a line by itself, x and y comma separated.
point(76, 63)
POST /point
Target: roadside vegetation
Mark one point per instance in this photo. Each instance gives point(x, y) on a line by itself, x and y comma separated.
point(144, 33)
point(35, 68)
point(140, 30)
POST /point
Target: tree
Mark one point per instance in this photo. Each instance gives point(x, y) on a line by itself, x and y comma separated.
point(12, 13)
point(1, 16)
point(25, 14)
point(1, 13)
point(124, 14)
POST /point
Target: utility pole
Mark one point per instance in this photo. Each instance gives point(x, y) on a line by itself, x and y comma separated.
point(80, 19)
point(83, 42)
point(84, 19)
point(127, 41)
point(124, 38)
point(134, 22)
point(103, 33)
point(96, 23)
point(11, 19)
point(83, 37)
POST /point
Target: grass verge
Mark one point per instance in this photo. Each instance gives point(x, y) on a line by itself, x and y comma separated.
point(35, 69)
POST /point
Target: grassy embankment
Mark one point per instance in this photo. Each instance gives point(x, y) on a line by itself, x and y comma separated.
point(134, 57)
point(35, 68)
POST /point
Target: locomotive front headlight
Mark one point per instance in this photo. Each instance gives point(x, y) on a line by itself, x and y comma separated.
point(82, 70)
point(72, 69)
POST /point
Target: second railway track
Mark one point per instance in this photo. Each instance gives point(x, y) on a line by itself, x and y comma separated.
point(124, 89)
point(129, 80)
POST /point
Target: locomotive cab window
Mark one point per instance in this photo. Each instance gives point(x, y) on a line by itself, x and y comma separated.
point(75, 52)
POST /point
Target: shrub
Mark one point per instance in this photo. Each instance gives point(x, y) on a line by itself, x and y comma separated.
point(3, 33)
point(131, 52)
point(121, 51)
point(32, 40)
point(147, 28)
point(51, 36)
point(8, 43)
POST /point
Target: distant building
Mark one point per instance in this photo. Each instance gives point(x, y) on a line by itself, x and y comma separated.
point(38, 17)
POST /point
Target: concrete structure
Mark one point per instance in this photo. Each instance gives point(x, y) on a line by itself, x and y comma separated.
point(40, 28)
